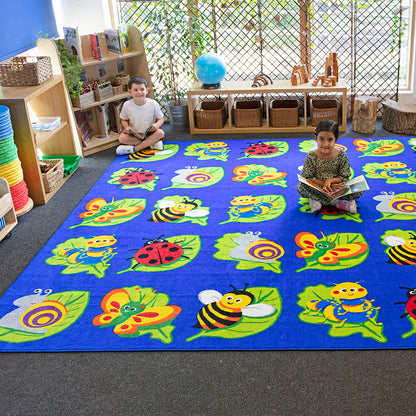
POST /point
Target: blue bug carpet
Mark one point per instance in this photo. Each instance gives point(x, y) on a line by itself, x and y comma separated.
point(208, 246)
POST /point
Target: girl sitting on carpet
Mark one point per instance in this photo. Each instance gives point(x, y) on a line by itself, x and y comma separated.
point(328, 168)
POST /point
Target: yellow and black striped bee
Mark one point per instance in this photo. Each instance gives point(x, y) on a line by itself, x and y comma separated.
point(401, 251)
point(170, 211)
point(221, 311)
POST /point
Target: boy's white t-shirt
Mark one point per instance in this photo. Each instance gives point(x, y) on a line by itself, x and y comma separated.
point(140, 117)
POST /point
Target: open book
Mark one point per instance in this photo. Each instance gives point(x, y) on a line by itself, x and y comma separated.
point(140, 136)
point(354, 185)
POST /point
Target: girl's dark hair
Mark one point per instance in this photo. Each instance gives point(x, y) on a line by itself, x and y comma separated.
point(327, 125)
point(136, 79)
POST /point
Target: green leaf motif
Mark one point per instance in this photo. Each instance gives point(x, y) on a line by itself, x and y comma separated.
point(261, 210)
point(76, 264)
point(412, 331)
point(378, 171)
point(282, 148)
point(409, 205)
point(169, 150)
point(340, 240)
point(205, 152)
point(75, 303)
point(116, 176)
point(196, 178)
point(248, 326)
point(382, 148)
point(226, 243)
point(191, 245)
point(367, 328)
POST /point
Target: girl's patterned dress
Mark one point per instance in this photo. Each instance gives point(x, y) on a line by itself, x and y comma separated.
point(322, 169)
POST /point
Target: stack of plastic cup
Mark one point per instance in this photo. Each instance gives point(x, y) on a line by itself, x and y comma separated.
point(10, 166)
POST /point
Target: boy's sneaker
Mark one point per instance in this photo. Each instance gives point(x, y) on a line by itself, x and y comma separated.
point(157, 146)
point(345, 205)
point(125, 149)
point(315, 205)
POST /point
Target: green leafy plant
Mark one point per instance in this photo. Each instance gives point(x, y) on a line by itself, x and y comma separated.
point(71, 69)
point(173, 39)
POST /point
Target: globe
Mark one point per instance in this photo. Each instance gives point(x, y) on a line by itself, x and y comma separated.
point(210, 69)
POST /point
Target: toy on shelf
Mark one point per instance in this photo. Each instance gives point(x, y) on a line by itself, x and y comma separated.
point(331, 72)
point(299, 75)
point(261, 80)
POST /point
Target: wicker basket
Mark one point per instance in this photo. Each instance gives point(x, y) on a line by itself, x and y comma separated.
point(122, 80)
point(323, 110)
point(54, 174)
point(25, 70)
point(118, 89)
point(248, 113)
point(210, 115)
point(284, 113)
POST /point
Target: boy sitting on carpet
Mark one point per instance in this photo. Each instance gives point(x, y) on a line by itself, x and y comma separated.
point(142, 115)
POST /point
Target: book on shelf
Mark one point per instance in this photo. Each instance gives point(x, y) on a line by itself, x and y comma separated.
point(112, 40)
point(83, 127)
point(73, 42)
point(123, 33)
point(354, 185)
point(95, 46)
point(103, 119)
point(117, 110)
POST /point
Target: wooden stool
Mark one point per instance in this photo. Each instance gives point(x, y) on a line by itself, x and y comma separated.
point(364, 118)
point(399, 118)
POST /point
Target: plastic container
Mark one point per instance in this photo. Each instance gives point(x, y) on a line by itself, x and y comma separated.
point(46, 123)
point(71, 162)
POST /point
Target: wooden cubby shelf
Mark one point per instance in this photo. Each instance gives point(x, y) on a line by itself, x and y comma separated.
point(6, 209)
point(135, 63)
point(279, 88)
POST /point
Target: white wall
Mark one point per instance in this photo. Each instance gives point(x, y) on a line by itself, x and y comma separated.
point(89, 15)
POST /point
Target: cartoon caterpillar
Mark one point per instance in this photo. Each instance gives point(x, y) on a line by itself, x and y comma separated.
point(221, 311)
point(34, 313)
point(248, 206)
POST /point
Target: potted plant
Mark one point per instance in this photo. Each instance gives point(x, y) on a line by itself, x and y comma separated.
point(173, 40)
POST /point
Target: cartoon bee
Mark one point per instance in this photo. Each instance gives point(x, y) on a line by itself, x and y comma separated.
point(255, 176)
point(401, 251)
point(410, 303)
point(324, 251)
point(248, 206)
point(96, 250)
point(348, 304)
point(170, 211)
point(221, 311)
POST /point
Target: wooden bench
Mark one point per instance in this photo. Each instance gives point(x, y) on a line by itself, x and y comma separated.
point(399, 118)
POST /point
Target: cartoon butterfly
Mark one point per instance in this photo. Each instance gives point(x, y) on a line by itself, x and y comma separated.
point(376, 147)
point(255, 176)
point(99, 211)
point(324, 251)
point(128, 315)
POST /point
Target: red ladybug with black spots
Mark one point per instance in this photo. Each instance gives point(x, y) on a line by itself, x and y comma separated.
point(410, 303)
point(261, 149)
point(137, 177)
point(159, 251)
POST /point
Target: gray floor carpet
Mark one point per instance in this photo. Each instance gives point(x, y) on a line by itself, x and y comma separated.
point(187, 383)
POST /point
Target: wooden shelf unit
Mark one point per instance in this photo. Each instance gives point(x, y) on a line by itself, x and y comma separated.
point(281, 87)
point(49, 99)
point(135, 63)
point(6, 209)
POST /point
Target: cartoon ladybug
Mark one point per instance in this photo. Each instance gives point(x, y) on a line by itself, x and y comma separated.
point(159, 251)
point(261, 149)
point(411, 302)
point(137, 177)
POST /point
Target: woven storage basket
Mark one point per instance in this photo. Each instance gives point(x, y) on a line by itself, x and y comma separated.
point(117, 89)
point(248, 113)
point(323, 110)
point(25, 70)
point(54, 175)
point(122, 80)
point(284, 113)
point(210, 115)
